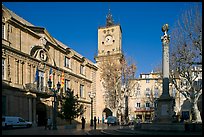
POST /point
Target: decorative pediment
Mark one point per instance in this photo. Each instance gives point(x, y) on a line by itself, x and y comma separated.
point(40, 51)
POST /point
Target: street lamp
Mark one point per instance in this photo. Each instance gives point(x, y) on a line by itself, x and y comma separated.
point(55, 105)
point(91, 95)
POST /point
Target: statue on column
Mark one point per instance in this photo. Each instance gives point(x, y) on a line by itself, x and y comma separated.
point(166, 38)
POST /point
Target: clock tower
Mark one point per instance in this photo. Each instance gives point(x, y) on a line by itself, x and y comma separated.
point(109, 48)
point(109, 39)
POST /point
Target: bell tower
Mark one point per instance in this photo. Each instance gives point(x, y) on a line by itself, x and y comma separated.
point(109, 39)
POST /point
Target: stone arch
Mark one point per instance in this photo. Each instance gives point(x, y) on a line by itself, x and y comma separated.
point(107, 112)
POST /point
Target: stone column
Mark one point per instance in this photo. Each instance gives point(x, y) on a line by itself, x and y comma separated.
point(32, 108)
point(165, 61)
point(164, 111)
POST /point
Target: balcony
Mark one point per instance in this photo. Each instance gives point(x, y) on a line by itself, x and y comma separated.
point(33, 88)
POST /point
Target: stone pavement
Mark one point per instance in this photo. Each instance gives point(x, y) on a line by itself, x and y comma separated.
point(102, 129)
point(61, 130)
point(129, 130)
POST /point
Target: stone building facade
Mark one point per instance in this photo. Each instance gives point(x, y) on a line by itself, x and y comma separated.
point(28, 50)
point(145, 91)
point(148, 88)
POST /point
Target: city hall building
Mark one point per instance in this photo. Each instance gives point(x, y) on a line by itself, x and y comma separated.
point(29, 50)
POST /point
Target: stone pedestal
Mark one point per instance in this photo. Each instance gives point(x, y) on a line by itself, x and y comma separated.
point(164, 113)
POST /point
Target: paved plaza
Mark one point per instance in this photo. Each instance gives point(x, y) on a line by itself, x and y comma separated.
point(101, 129)
point(60, 131)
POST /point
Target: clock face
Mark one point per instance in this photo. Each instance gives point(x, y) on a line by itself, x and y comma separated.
point(108, 40)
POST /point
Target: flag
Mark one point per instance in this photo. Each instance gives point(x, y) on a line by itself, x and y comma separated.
point(62, 80)
point(50, 74)
point(36, 75)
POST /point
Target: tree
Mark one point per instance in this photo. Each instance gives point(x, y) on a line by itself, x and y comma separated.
point(128, 69)
point(186, 56)
point(115, 74)
point(71, 108)
point(110, 76)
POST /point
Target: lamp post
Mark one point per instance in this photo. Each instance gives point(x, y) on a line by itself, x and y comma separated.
point(55, 103)
point(91, 95)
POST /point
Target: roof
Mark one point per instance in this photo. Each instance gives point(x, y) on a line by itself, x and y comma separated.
point(15, 16)
point(36, 30)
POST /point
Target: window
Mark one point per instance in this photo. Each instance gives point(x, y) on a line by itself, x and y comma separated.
point(185, 115)
point(147, 92)
point(82, 69)
point(155, 104)
point(173, 92)
point(198, 83)
point(138, 105)
point(81, 91)
point(67, 84)
point(67, 62)
point(21, 120)
point(137, 90)
point(17, 74)
point(146, 75)
point(147, 80)
point(41, 81)
point(137, 93)
point(3, 31)
point(156, 92)
point(3, 68)
point(147, 104)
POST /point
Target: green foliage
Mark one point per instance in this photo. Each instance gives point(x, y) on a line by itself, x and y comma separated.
point(71, 108)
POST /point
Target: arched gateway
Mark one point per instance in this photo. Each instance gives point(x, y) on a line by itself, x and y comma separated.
point(107, 112)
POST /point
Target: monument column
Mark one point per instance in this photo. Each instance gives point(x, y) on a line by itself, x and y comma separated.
point(165, 61)
point(163, 116)
point(165, 102)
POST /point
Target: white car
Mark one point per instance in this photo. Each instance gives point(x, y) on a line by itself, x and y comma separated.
point(13, 121)
point(105, 121)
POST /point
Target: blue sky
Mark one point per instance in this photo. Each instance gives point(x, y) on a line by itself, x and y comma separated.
point(76, 24)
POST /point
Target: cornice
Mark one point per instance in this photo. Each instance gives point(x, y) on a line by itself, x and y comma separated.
point(15, 22)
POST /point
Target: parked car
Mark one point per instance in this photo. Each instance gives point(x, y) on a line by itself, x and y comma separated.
point(105, 121)
point(14, 121)
point(112, 120)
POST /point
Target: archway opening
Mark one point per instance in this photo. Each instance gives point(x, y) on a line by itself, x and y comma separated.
point(41, 114)
point(107, 112)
